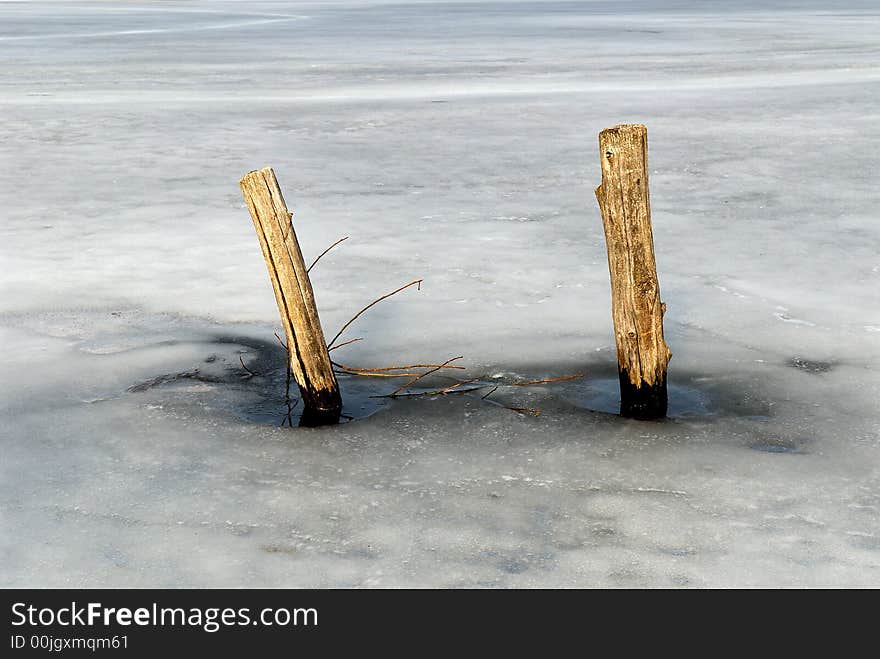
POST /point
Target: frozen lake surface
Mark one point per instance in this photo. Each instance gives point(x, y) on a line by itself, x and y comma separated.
point(455, 142)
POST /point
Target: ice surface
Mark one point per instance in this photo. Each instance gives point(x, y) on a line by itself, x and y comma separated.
point(455, 142)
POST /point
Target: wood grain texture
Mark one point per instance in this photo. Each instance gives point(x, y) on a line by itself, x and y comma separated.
point(642, 353)
point(309, 358)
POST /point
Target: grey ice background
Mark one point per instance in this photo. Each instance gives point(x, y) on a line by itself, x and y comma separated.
point(455, 142)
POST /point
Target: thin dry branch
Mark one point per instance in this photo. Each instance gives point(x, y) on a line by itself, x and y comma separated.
point(380, 369)
point(457, 385)
point(367, 374)
point(309, 269)
point(250, 373)
point(417, 282)
point(288, 416)
point(529, 410)
point(345, 343)
point(288, 376)
point(494, 389)
point(559, 379)
point(383, 371)
point(531, 382)
point(519, 410)
point(436, 392)
point(426, 373)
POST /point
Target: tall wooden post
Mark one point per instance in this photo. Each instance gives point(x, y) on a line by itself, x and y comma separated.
point(307, 349)
point(642, 353)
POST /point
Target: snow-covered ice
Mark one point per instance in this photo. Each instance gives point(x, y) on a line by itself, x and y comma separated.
point(455, 142)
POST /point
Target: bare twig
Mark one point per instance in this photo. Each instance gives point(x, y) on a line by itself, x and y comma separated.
point(436, 392)
point(519, 410)
point(457, 385)
point(345, 343)
point(288, 376)
point(529, 410)
point(250, 373)
point(531, 382)
point(368, 374)
point(380, 369)
point(383, 371)
point(287, 389)
point(288, 417)
point(560, 379)
point(426, 373)
point(417, 282)
point(309, 269)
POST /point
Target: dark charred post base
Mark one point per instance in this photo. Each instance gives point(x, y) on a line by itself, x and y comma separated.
point(323, 410)
point(648, 401)
point(312, 418)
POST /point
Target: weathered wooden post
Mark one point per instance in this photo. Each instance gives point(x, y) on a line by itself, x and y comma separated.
point(642, 354)
point(307, 350)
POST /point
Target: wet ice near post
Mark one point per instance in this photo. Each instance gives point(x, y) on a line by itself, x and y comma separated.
point(454, 142)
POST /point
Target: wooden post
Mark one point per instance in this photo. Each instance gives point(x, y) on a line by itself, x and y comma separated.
point(309, 357)
point(642, 354)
